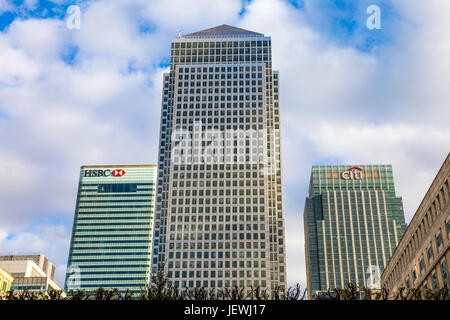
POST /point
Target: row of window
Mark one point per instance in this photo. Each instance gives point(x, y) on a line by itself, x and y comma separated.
point(214, 227)
point(221, 44)
point(223, 69)
point(211, 76)
point(217, 284)
point(218, 274)
point(213, 52)
point(220, 245)
point(216, 167)
point(224, 97)
point(201, 85)
point(209, 59)
point(363, 185)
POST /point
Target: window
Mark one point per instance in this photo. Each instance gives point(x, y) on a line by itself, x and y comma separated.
point(117, 187)
point(425, 288)
point(434, 281)
point(5, 285)
point(448, 229)
point(439, 240)
point(430, 253)
point(422, 265)
point(444, 271)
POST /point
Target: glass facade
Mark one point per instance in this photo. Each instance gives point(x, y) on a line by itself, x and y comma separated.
point(353, 221)
point(112, 230)
point(219, 218)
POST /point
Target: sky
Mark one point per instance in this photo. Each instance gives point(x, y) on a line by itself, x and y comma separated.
point(349, 95)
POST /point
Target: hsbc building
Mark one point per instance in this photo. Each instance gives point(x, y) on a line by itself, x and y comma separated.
point(112, 229)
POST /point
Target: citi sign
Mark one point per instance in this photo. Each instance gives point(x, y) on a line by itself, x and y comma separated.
point(104, 173)
point(354, 173)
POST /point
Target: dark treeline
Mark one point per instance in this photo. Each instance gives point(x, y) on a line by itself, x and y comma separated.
point(159, 290)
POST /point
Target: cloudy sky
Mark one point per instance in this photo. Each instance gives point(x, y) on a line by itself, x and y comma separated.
point(349, 95)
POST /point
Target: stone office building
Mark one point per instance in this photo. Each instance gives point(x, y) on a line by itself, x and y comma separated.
point(422, 256)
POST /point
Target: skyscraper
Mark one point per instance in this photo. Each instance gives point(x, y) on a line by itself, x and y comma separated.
point(353, 221)
point(112, 229)
point(219, 218)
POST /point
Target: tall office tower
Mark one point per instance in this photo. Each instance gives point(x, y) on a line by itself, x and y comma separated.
point(219, 209)
point(112, 229)
point(353, 221)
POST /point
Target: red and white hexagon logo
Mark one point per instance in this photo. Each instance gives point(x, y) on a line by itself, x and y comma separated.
point(118, 172)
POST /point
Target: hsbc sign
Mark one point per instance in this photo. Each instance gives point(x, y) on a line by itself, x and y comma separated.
point(104, 173)
point(354, 173)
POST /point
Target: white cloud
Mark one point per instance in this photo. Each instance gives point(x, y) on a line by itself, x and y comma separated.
point(3, 235)
point(31, 4)
point(50, 239)
point(38, 38)
point(189, 14)
point(5, 6)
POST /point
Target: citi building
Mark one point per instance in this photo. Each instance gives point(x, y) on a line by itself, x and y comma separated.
point(353, 221)
point(112, 229)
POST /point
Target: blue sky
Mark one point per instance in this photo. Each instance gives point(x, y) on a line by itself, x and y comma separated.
point(348, 95)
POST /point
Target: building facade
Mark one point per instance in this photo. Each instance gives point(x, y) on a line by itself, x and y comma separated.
point(219, 218)
point(421, 258)
point(112, 229)
point(6, 280)
point(353, 221)
point(31, 272)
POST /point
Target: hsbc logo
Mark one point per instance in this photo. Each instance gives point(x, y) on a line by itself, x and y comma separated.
point(118, 172)
point(354, 173)
point(104, 173)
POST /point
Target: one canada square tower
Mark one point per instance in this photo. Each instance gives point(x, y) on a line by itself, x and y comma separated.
point(219, 220)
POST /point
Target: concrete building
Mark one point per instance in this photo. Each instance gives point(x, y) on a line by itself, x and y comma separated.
point(32, 272)
point(112, 229)
point(353, 220)
point(421, 258)
point(6, 280)
point(219, 219)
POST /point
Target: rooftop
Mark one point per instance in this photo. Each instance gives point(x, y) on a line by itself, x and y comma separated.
point(118, 165)
point(223, 31)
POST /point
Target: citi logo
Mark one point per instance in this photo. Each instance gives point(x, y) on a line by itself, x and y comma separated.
point(104, 173)
point(354, 173)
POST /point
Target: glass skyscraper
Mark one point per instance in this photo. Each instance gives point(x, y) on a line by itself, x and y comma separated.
point(112, 229)
point(219, 218)
point(353, 221)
